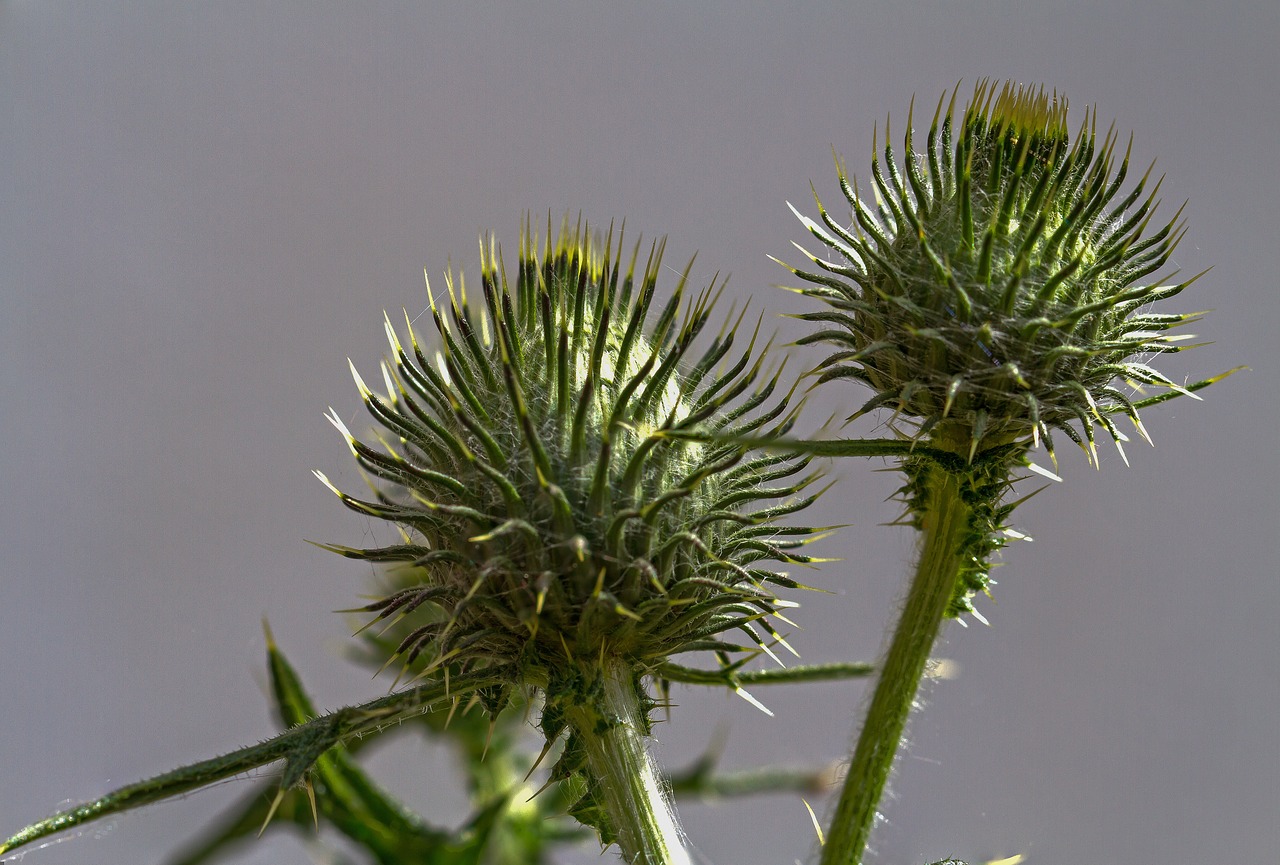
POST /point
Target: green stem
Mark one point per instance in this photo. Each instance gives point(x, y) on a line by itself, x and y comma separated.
point(778, 676)
point(300, 747)
point(624, 776)
point(944, 523)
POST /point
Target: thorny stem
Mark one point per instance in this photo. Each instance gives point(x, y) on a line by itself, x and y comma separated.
point(299, 747)
point(944, 523)
point(623, 773)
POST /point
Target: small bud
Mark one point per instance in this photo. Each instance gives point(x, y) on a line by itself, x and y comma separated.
point(995, 287)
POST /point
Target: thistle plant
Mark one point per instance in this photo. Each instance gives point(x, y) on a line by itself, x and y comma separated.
point(585, 484)
point(560, 539)
point(992, 290)
point(557, 531)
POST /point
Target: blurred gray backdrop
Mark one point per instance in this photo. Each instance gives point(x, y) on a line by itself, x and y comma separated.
point(205, 208)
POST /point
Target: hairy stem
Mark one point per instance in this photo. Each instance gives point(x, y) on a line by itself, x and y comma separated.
point(944, 524)
point(624, 776)
point(300, 747)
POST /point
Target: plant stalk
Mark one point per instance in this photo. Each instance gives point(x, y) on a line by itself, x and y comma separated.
point(299, 747)
point(623, 773)
point(944, 524)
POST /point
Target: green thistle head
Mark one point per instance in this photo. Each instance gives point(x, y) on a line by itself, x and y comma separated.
point(548, 521)
point(995, 287)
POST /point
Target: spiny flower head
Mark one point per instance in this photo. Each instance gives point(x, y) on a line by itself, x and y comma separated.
point(995, 287)
point(548, 518)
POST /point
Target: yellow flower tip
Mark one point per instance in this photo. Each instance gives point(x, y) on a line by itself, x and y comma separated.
point(1024, 110)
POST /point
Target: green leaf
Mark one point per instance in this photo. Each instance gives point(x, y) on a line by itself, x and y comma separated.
point(346, 796)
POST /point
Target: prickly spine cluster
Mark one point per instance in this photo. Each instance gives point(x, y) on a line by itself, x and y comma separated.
point(994, 287)
point(548, 518)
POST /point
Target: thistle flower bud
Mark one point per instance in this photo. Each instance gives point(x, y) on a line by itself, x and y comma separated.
point(993, 288)
point(548, 519)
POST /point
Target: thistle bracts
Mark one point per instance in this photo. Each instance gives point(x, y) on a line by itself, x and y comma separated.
point(547, 519)
point(995, 287)
point(992, 290)
point(981, 489)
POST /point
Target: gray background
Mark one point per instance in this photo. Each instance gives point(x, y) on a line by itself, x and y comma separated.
point(204, 208)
